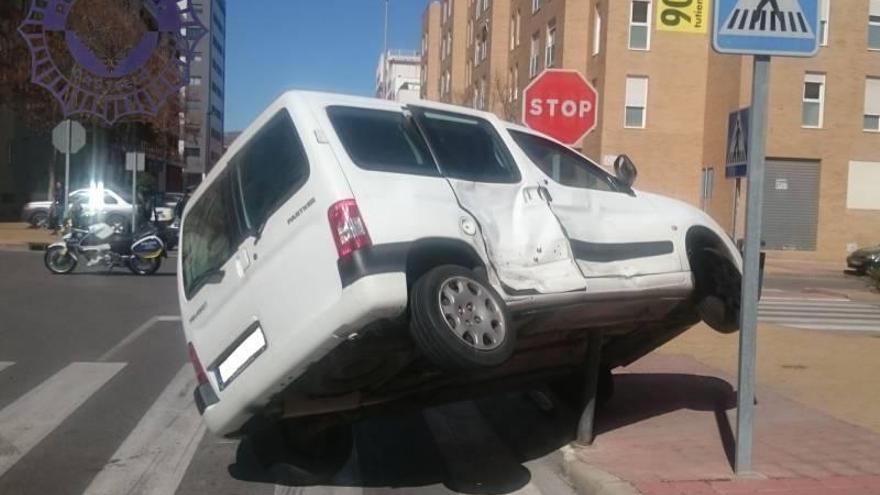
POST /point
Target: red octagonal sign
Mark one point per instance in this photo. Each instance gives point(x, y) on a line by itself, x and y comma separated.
point(561, 104)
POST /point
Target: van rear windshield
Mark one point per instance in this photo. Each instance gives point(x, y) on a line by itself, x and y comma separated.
point(382, 140)
point(211, 235)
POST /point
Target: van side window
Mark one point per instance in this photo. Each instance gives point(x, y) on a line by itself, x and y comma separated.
point(468, 148)
point(271, 168)
point(211, 235)
point(562, 164)
point(381, 140)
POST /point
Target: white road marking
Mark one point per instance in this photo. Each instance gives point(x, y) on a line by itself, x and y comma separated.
point(157, 453)
point(820, 314)
point(134, 335)
point(842, 327)
point(318, 490)
point(5, 364)
point(805, 299)
point(28, 420)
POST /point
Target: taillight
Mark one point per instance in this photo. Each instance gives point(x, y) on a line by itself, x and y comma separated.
point(348, 227)
point(201, 375)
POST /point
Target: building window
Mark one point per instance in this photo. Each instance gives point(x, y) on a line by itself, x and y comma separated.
point(482, 93)
point(510, 84)
point(483, 44)
point(512, 43)
point(515, 82)
point(640, 25)
point(706, 187)
point(485, 5)
point(195, 81)
point(597, 31)
point(861, 192)
point(813, 101)
point(636, 102)
point(872, 104)
point(550, 49)
point(536, 5)
point(534, 52)
point(824, 19)
point(874, 25)
point(445, 10)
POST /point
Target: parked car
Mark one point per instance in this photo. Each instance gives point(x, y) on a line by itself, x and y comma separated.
point(349, 253)
point(864, 259)
point(113, 208)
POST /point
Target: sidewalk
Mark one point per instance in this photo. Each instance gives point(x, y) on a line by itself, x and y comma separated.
point(22, 236)
point(670, 429)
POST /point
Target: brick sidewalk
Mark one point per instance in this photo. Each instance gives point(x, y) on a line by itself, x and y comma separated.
point(670, 430)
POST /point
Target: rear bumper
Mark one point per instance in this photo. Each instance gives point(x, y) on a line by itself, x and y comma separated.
point(367, 299)
point(373, 260)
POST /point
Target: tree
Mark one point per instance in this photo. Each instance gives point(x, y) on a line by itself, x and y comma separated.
point(501, 100)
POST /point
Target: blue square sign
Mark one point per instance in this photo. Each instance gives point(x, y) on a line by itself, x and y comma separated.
point(737, 159)
point(788, 28)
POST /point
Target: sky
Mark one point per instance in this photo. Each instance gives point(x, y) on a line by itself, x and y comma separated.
point(330, 45)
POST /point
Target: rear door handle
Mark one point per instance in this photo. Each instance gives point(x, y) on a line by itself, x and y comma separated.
point(544, 193)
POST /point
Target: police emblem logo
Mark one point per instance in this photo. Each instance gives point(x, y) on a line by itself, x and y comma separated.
point(111, 58)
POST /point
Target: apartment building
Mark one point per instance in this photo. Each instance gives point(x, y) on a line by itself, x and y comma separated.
point(431, 35)
point(399, 75)
point(203, 137)
point(665, 97)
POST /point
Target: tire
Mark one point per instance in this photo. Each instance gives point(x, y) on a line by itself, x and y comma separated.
point(717, 291)
point(144, 266)
point(58, 262)
point(458, 321)
point(39, 219)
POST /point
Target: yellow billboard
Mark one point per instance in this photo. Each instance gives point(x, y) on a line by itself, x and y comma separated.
point(684, 16)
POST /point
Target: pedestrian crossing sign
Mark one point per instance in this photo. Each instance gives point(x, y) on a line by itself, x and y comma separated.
point(737, 144)
point(788, 28)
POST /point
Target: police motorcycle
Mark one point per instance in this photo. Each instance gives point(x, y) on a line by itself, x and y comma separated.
point(101, 244)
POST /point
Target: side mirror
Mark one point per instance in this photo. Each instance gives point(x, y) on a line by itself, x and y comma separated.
point(625, 170)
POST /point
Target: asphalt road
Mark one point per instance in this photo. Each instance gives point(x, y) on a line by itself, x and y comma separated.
point(96, 398)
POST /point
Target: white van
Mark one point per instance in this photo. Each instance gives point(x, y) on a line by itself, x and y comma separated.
point(349, 252)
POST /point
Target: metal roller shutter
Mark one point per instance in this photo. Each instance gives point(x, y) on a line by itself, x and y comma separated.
point(791, 204)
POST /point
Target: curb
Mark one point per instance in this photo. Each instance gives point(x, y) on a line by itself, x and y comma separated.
point(588, 480)
point(25, 246)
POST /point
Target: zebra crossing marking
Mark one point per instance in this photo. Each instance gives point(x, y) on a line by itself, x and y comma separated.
point(156, 454)
point(137, 332)
point(772, 18)
point(820, 314)
point(5, 364)
point(33, 416)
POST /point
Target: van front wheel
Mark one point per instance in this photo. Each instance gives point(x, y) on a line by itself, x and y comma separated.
point(459, 321)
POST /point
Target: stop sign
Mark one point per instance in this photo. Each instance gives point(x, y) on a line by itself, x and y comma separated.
point(561, 104)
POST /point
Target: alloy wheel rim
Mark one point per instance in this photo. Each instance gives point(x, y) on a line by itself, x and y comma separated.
point(472, 313)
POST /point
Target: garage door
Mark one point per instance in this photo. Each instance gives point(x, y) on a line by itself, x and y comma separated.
point(791, 204)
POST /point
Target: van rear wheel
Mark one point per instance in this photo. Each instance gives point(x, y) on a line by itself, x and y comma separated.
point(459, 321)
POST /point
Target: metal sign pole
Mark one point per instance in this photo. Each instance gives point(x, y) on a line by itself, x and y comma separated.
point(66, 171)
point(750, 280)
point(134, 201)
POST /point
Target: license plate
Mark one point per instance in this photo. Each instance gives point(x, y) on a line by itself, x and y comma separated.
point(241, 356)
